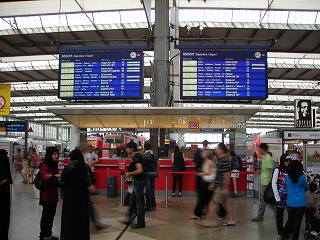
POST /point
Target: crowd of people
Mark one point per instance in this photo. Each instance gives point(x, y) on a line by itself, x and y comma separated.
point(214, 171)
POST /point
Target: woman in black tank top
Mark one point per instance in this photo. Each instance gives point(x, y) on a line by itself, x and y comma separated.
point(178, 165)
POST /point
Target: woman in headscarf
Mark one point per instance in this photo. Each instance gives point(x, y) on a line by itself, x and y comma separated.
point(280, 190)
point(75, 209)
point(5, 181)
point(49, 195)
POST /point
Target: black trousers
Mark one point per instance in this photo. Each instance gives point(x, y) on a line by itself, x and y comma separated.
point(177, 177)
point(279, 220)
point(48, 213)
point(293, 223)
point(204, 197)
point(309, 212)
point(4, 213)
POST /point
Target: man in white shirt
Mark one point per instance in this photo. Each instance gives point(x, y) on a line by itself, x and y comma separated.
point(87, 155)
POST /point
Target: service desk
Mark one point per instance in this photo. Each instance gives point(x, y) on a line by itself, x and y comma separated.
point(108, 167)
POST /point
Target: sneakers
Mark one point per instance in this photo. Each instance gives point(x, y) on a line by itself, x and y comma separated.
point(234, 195)
point(257, 219)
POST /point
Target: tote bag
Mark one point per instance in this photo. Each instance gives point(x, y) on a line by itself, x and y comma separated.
point(268, 195)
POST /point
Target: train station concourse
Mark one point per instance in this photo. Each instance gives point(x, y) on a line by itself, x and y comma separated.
point(218, 96)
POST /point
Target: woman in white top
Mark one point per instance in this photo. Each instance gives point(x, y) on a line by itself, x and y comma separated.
point(208, 175)
point(280, 190)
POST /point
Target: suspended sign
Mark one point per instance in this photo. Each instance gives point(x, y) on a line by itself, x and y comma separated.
point(303, 114)
point(5, 94)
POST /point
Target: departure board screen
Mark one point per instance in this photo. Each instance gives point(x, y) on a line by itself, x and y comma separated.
point(101, 75)
point(223, 75)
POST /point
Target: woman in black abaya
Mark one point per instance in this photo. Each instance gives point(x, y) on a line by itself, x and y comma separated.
point(5, 181)
point(75, 208)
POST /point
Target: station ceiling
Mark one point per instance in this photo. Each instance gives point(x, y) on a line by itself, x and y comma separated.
point(34, 87)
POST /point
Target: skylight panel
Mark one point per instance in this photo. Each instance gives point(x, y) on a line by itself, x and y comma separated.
point(4, 24)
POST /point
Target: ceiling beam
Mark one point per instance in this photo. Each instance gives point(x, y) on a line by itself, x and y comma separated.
point(285, 73)
point(14, 77)
point(300, 40)
point(2, 39)
point(303, 73)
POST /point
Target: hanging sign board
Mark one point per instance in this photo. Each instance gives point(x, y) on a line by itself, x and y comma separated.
point(302, 114)
point(5, 94)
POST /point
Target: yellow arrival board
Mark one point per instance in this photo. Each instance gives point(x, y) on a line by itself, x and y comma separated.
point(5, 93)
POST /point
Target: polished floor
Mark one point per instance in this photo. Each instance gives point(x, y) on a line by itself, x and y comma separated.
point(165, 223)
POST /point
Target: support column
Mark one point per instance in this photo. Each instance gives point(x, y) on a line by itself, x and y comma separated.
point(74, 137)
point(174, 56)
point(162, 137)
point(161, 52)
point(154, 134)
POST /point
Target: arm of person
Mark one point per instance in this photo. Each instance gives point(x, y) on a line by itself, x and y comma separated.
point(91, 162)
point(208, 169)
point(139, 170)
point(45, 174)
point(184, 158)
point(305, 184)
point(172, 158)
point(275, 185)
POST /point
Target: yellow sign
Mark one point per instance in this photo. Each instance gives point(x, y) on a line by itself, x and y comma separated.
point(5, 93)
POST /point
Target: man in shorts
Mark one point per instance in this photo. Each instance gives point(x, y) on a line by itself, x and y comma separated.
point(235, 170)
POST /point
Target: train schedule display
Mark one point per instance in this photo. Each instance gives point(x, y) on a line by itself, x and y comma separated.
point(239, 75)
point(101, 75)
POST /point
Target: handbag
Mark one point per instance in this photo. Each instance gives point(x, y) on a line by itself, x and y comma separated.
point(268, 195)
point(38, 183)
point(4, 184)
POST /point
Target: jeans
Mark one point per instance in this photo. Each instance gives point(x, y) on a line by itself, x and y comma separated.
point(279, 220)
point(150, 195)
point(47, 217)
point(204, 197)
point(263, 204)
point(293, 223)
point(137, 202)
point(175, 178)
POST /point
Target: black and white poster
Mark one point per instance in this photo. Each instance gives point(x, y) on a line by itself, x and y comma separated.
point(303, 114)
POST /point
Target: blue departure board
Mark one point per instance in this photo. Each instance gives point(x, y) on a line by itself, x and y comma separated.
point(15, 127)
point(101, 75)
point(223, 75)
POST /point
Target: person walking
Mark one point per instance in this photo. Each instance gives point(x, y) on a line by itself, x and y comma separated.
point(135, 170)
point(236, 166)
point(151, 167)
point(280, 191)
point(265, 171)
point(5, 181)
point(297, 186)
point(178, 165)
point(207, 177)
point(221, 187)
point(18, 164)
point(49, 195)
point(75, 224)
point(198, 160)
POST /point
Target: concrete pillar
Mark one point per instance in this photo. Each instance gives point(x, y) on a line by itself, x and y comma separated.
point(154, 135)
point(161, 52)
point(162, 137)
point(174, 56)
point(74, 137)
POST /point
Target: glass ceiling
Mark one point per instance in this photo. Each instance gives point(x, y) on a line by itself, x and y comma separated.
point(306, 63)
point(130, 19)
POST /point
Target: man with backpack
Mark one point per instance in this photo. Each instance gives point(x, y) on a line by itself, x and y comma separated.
point(236, 166)
point(151, 167)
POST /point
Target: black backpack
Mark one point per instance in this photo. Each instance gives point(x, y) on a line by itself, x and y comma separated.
point(150, 163)
point(237, 162)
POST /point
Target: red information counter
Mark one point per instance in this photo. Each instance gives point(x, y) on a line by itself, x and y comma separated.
point(108, 167)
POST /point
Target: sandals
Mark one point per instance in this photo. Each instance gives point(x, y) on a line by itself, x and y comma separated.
point(228, 224)
point(195, 217)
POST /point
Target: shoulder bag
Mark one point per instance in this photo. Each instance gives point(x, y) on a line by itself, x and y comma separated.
point(38, 183)
point(268, 195)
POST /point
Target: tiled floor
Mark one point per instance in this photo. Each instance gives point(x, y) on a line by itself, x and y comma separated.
point(165, 223)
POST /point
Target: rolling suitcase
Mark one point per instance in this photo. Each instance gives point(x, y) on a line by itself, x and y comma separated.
point(112, 186)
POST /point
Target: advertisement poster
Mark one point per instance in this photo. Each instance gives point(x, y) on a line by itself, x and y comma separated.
point(313, 159)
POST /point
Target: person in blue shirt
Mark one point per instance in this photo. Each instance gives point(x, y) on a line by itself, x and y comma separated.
point(297, 201)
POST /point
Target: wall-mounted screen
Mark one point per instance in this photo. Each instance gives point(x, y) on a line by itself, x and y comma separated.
point(238, 75)
point(101, 75)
